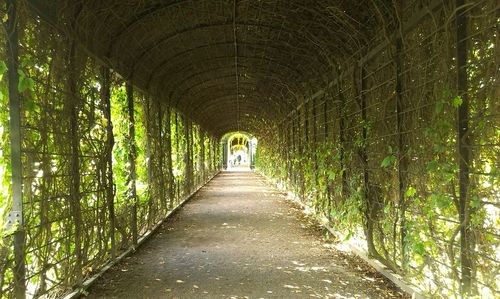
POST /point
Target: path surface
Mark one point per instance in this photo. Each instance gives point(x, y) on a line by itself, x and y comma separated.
point(239, 238)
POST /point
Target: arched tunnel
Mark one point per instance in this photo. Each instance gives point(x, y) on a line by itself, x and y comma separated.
point(120, 118)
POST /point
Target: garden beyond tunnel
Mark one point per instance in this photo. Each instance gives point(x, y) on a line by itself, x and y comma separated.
point(381, 118)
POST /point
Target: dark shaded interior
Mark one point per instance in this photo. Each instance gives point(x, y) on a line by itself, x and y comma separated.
point(226, 64)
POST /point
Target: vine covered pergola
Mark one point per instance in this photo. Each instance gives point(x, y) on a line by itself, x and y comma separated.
point(382, 116)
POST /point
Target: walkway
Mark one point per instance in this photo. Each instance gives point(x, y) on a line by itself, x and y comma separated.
point(239, 238)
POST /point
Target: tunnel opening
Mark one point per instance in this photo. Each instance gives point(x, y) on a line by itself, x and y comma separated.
point(381, 117)
point(238, 151)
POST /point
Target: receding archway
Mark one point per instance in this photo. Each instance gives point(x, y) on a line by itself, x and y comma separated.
point(238, 151)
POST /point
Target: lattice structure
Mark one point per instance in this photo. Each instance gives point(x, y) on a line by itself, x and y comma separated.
point(381, 115)
point(376, 153)
point(98, 163)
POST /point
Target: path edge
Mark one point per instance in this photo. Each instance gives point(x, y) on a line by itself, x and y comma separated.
point(82, 290)
point(398, 280)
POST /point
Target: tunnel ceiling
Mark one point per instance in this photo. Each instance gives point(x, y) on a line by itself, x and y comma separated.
point(225, 64)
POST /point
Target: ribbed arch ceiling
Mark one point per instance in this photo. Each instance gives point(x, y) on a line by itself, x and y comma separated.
point(223, 63)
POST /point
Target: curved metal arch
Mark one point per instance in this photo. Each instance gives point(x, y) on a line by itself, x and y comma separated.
point(214, 79)
point(164, 62)
point(245, 125)
point(227, 66)
point(251, 108)
point(203, 26)
point(248, 108)
point(139, 17)
point(225, 100)
point(295, 86)
point(203, 82)
point(341, 26)
point(217, 110)
point(165, 6)
point(281, 109)
point(224, 94)
point(260, 73)
point(201, 108)
point(197, 105)
point(273, 96)
point(339, 32)
point(226, 126)
point(216, 124)
point(223, 91)
point(202, 47)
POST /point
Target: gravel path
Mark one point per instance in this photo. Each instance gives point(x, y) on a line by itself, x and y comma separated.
point(240, 238)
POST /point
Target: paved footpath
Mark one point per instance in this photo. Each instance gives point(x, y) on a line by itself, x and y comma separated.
point(240, 238)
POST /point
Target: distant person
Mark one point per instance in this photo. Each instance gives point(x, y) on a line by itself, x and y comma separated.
point(239, 159)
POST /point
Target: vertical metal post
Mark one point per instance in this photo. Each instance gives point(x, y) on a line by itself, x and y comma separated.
point(299, 151)
point(187, 156)
point(15, 150)
point(168, 153)
point(293, 177)
point(132, 158)
point(202, 155)
point(216, 153)
point(161, 160)
point(313, 148)
point(364, 128)
point(209, 154)
point(151, 197)
point(343, 166)
point(219, 153)
point(314, 120)
point(402, 161)
point(224, 160)
point(290, 150)
point(328, 190)
point(303, 147)
point(211, 165)
point(364, 159)
point(191, 155)
point(106, 99)
point(72, 101)
point(325, 119)
point(463, 140)
point(178, 153)
point(306, 123)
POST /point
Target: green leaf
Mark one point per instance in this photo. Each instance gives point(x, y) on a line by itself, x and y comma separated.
point(3, 68)
point(388, 161)
point(433, 166)
point(441, 201)
point(22, 86)
point(439, 107)
point(457, 101)
point(29, 105)
point(475, 202)
point(419, 248)
point(410, 192)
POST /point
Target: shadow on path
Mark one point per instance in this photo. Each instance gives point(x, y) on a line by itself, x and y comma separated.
point(239, 238)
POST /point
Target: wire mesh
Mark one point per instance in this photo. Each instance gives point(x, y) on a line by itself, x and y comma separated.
point(79, 212)
point(377, 156)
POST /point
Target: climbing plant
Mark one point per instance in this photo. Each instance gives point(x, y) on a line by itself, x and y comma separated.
point(103, 163)
point(379, 156)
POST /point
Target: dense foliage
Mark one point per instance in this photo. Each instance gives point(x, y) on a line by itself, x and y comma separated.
point(377, 156)
point(102, 164)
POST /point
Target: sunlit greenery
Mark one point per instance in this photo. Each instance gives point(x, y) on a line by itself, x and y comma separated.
point(350, 173)
point(71, 233)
